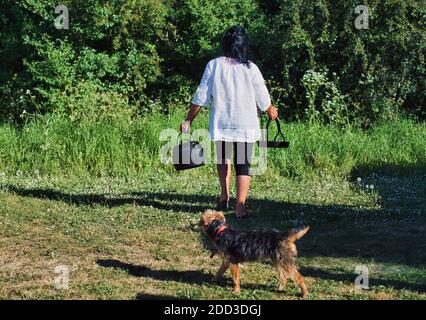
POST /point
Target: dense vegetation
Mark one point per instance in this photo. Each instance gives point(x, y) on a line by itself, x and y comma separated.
point(127, 57)
point(82, 184)
point(51, 145)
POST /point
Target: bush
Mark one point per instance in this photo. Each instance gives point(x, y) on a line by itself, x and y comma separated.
point(90, 102)
point(333, 103)
point(153, 53)
point(197, 26)
point(110, 46)
point(380, 69)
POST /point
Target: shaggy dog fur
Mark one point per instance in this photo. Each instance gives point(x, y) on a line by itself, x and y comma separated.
point(236, 247)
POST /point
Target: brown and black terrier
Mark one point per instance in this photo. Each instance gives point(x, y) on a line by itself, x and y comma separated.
point(236, 247)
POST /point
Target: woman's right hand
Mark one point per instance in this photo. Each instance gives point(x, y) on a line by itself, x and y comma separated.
point(184, 127)
point(272, 112)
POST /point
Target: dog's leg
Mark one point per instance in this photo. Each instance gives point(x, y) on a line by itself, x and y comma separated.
point(235, 270)
point(298, 278)
point(221, 271)
point(283, 277)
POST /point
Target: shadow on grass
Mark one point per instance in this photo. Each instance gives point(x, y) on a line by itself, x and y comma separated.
point(150, 199)
point(188, 277)
point(194, 203)
point(147, 296)
point(201, 278)
point(373, 282)
point(380, 168)
point(336, 231)
point(191, 277)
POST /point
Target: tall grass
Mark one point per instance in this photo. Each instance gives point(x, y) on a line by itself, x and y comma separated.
point(54, 145)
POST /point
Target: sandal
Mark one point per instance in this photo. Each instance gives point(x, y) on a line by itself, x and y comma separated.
point(246, 215)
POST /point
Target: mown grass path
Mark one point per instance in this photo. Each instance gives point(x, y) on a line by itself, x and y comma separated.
point(132, 239)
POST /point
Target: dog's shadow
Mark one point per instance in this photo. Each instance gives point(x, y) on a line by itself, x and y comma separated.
point(189, 277)
point(201, 278)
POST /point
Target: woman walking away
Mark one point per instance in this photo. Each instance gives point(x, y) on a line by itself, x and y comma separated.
point(237, 86)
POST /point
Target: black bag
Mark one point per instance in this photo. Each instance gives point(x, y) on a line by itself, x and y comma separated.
point(274, 143)
point(187, 155)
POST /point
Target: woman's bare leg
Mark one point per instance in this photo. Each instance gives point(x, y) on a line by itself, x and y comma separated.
point(242, 159)
point(243, 185)
point(224, 173)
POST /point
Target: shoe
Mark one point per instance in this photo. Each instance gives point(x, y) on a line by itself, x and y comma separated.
point(246, 215)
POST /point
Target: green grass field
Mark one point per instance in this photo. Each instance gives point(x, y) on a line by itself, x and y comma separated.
point(95, 199)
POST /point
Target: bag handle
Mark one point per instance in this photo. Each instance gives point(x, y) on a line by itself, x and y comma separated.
point(180, 156)
point(181, 136)
point(279, 129)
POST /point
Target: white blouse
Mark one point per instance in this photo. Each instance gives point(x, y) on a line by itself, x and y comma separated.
point(236, 89)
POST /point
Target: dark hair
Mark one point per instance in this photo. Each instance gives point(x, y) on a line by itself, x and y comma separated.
point(236, 44)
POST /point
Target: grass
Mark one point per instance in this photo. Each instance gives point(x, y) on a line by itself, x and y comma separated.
point(93, 197)
point(132, 238)
point(53, 145)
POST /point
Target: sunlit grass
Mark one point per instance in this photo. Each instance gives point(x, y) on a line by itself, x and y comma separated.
point(52, 145)
point(127, 238)
point(95, 197)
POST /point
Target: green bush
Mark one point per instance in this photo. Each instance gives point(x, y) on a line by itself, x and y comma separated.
point(110, 45)
point(87, 101)
point(379, 70)
point(197, 26)
point(153, 53)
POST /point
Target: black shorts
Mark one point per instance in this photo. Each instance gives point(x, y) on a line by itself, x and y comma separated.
point(242, 155)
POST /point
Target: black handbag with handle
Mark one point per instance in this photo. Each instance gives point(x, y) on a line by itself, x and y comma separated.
point(187, 155)
point(274, 143)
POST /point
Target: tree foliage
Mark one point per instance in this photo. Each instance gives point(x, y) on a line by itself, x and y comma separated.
point(148, 53)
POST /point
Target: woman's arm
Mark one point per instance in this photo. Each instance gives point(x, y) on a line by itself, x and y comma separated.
point(192, 113)
point(201, 97)
point(263, 99)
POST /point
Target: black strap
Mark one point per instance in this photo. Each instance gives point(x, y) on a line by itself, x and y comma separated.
point(279, 130)
point(180, 135)
point(180, 151)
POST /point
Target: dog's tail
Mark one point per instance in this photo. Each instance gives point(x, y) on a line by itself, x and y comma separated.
point(296, 234)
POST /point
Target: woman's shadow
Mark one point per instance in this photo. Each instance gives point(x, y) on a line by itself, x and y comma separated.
point(336, 230)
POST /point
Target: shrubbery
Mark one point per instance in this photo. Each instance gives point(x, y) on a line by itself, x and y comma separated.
point(379, 70)
point(109, 47)
point(143, 55)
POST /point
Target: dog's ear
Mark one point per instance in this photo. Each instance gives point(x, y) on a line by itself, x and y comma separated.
point(206, 218)
point(203, 221)
point(220, 216)
point(209, 215)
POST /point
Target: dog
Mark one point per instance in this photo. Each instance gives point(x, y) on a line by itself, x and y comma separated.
point(235, 247)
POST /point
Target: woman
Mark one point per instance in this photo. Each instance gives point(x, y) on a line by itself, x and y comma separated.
point(237, 86)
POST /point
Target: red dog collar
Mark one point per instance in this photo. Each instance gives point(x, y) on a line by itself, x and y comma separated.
point(219, 232)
